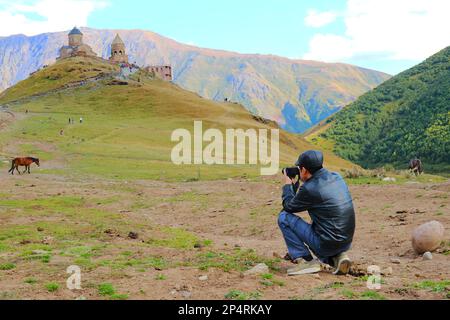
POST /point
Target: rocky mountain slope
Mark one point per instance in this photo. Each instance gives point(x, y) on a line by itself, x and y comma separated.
point(297, 94)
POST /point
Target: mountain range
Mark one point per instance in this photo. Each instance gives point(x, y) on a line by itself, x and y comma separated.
point(408, 116)
point(295, 93)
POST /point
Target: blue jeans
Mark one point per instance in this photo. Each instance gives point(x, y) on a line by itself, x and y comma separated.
point(300, 238)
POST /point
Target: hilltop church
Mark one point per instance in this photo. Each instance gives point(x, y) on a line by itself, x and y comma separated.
point(76, 48)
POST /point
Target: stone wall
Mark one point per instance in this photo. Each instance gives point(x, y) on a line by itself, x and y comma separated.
point(162, 72)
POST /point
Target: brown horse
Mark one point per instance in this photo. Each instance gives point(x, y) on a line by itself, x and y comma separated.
point(415, 166)
point(24, 162)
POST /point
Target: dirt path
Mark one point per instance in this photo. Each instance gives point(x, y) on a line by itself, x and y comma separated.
point(235, 215)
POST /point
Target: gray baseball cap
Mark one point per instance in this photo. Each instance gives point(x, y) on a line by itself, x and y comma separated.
point(311, 160)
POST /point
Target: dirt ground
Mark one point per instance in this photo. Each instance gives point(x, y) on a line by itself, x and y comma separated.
point(228, 217)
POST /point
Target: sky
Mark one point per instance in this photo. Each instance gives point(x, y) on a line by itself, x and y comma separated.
point(385, 35)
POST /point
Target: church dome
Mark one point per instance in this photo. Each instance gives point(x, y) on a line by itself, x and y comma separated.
point(74, 31)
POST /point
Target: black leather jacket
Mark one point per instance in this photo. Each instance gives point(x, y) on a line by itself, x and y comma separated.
point(328, 201)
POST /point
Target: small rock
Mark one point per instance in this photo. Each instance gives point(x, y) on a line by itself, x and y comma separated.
point(81, 298)
point(48, 240)
point(388, 271)
point(258, 269)
point(395, 260)
point(183, 287)
point(427, 256)
point(40, 229)
point(389, 179)
point(133, 235)
point(198, 245)
point(186, 294)
point(203, 278)
point(317, 276)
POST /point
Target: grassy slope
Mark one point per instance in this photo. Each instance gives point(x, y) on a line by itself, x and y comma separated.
point(406, 116)
point(127, 129)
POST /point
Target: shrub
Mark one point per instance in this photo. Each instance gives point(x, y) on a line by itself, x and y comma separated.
point(52, 287)
point(106, 289)
point(7, 266)
point(378, 173)
point(354, 172)
point(239, 295)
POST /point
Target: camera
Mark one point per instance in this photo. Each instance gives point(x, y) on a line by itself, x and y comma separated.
point(291, 172)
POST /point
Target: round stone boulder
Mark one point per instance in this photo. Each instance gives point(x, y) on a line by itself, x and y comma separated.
point(427, 237)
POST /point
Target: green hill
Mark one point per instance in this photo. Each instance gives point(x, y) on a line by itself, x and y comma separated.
point(127, 125)
point(405, 117)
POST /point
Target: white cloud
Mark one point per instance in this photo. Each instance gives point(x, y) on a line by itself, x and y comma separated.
point(394, 30)
point(40, 16)
point(319, 19)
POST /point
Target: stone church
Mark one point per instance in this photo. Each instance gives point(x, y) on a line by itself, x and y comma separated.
point(76, 46)
point(118, 52)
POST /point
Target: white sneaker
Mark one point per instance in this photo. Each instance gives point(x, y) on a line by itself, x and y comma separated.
point(305, 267)
point(342, 263)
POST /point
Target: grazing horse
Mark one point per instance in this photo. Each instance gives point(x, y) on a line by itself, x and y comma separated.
point(415, 165)
point(24, 162)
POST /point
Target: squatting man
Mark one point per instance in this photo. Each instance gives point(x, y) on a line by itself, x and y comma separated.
point(326, 197)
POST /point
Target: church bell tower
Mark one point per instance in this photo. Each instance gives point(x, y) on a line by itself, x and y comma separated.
point(118, 53)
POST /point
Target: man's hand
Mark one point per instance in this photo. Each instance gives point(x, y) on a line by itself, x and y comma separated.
point(288, 180)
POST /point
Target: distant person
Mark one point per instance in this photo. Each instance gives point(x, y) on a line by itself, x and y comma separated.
point(70, 120)
point(326, 197)
point(81, 119)
point(61, 132)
